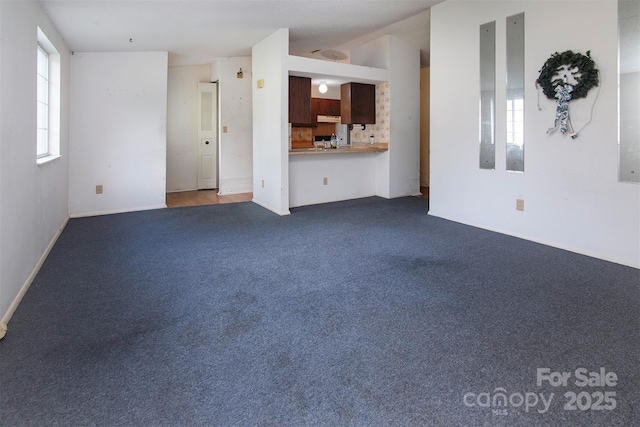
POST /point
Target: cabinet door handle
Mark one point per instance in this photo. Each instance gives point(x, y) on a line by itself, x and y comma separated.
point(206, 142)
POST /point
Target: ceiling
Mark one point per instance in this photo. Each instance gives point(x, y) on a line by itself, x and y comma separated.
point(198, 31)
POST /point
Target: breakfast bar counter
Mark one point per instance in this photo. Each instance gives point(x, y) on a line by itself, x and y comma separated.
point(349, 149)
point(329, 175)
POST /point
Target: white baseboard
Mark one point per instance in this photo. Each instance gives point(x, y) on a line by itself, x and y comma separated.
point(231, 193)
point(23, 290)
point(272, 209)
point(117, 211)
point(182, 191)
point(541, 241)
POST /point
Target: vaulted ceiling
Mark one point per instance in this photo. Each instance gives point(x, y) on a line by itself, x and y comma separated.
point(198, 31)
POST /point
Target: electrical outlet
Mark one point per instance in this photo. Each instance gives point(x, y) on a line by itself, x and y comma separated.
point(98, 189)
point(263, 183)
point(520, 204)
point(325, 180)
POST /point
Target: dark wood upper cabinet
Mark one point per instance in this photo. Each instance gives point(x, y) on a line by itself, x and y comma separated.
point(328, 107)
point(315, 110)
point(300, 100)
point(324, 107)
point(358, 103)
point(334, 107)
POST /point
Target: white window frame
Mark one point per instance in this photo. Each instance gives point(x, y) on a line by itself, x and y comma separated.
point(42, 101)
point(52, 101)
point(515, 121)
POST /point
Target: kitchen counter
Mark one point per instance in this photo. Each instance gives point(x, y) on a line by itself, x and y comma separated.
point(359, 148)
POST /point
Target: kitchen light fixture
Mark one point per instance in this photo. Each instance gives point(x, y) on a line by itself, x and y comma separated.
point(323, 87)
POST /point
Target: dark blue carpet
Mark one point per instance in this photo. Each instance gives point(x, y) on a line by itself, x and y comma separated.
point(359, 313)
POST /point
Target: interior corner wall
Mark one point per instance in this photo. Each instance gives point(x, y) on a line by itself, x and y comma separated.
point(573, 199)
point(215, 70)
point(34, 198)
point(235, 116)
point(270, 126)
point(182, 125)
point(374, 53)
point(398, 170)
point(404, 145)
point(118, 132)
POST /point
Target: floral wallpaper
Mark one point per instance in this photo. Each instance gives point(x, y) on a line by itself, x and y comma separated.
point(382, 128)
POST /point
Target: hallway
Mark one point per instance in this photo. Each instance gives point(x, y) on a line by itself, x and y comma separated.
point(204, 197)
point(210, 197)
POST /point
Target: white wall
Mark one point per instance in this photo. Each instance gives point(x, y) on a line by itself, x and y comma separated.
point(235, 113)
point(33, 198)
point(349, 176)
point(404, 146)
point(362, 73)
point(374, 53)
point(182, 125)
point(573, 199)
point(399, 170)
point(118, 132)
point(270, 127)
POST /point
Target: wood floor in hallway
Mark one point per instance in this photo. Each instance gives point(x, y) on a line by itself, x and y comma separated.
point(210, 197)
point(204, 197)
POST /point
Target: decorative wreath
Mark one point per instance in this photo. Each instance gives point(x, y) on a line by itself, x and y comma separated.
point(581, 67)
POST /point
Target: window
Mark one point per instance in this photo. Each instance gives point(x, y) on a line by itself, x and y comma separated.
point(515, 121)
point(515, 134)
point(43, 103)
point(47, 100)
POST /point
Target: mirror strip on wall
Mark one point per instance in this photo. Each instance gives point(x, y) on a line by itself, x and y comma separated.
point(629, 90)
point(487, 95)
point(515, 93)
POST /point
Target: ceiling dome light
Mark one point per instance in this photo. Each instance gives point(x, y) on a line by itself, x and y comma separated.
point(334, 55)
point(323, 87)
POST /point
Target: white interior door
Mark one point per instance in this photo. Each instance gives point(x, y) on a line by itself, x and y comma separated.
point(207, 135)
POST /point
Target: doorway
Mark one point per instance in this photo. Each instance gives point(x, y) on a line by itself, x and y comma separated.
point(204, 197)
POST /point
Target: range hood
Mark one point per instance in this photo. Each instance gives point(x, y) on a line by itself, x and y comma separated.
point(328, 119)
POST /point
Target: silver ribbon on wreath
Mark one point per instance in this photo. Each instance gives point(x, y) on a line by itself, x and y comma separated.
point(563, 93)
